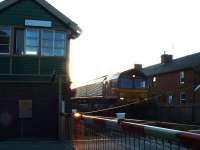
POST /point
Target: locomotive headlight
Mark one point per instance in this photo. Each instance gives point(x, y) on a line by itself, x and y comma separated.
point(133, 76)
point(122, 98)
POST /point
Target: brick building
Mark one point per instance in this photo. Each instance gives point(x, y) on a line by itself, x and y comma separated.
point(175, 81)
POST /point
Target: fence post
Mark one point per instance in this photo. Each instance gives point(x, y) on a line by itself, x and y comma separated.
point(77, 132)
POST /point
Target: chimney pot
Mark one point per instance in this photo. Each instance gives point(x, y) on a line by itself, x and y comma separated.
point(165, 58)
point(138, 66)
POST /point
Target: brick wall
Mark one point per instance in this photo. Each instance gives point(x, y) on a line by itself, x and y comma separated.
point(169, 84)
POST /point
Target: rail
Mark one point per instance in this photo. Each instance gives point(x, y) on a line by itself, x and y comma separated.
point(98, 133)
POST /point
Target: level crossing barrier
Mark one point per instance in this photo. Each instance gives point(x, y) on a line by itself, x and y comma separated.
point(99, 133)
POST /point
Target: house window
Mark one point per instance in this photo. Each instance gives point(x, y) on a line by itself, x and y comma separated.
point(182, 77)
point(170, 99)
point(183, 98)
point(5, 33)
point(31, 42)
point(153, 83)
point(154, 79)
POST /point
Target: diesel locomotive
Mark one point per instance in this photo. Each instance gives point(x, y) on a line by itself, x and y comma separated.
point(129, 85)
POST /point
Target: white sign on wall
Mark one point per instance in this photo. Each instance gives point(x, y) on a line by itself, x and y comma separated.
point(25, 108)
point(38, 23)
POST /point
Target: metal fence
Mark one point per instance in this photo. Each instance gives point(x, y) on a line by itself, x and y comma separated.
point(97, 133)
point(185, 113)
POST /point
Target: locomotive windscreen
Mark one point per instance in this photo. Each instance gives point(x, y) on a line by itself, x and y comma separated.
point(132, 83)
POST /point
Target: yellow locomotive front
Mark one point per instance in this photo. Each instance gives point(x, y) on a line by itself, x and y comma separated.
point(132, 86)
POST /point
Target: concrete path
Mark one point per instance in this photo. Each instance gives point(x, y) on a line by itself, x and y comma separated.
point(27, 145)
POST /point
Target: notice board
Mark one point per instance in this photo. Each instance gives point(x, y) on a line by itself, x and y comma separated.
point(25, 108)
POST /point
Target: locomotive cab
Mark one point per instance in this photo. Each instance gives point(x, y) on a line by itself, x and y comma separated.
point(132, 86)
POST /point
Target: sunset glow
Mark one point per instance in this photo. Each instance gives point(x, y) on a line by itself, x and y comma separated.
point(119, 33)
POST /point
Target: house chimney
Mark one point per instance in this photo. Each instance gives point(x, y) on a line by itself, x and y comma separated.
point(138, 66)
point(165, 58)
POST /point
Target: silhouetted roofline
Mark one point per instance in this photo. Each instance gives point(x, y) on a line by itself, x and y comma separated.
point(186, 62)
point(76, 30)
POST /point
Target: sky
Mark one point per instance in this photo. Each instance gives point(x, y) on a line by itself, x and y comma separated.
point(120, 33)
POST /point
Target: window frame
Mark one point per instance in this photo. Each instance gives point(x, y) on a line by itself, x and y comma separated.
point(38, 40)
point(124, 81)
point(172, 98)
point(182, 77)
point(154, 79)
point(185, 99)
point(41, 41)
point(9, 43)
point(15, 28)
point(39, 52)
point(54, 32)
point(65, 46)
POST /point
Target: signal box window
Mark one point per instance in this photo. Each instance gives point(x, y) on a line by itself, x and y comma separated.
point(183, 98)
point(19, 42)
point(5, 33)
point(182, 77)
point(53, 43)
point(47, 43)
point(32, 42)
point(59, 44)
